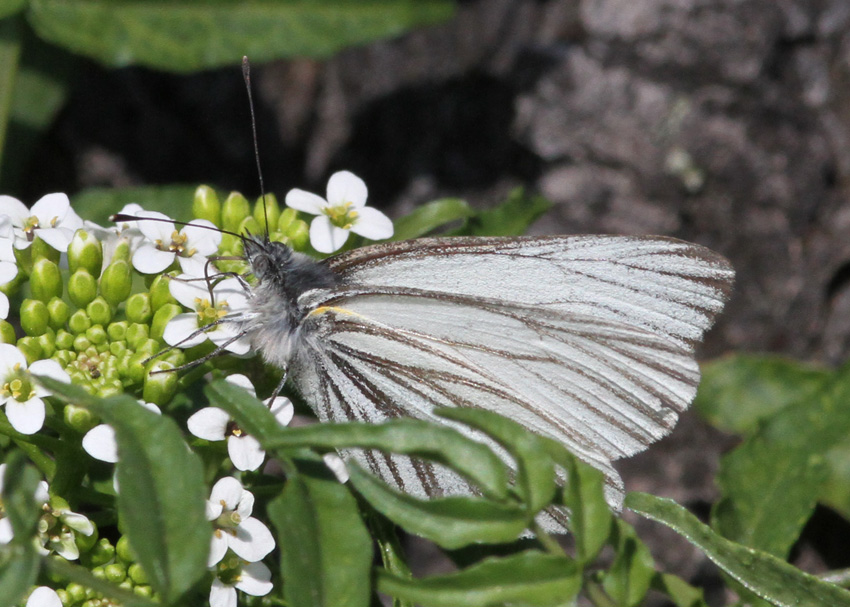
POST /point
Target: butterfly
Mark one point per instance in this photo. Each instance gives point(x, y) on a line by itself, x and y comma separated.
point(585, 339)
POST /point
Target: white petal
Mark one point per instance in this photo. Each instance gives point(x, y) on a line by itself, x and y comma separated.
point(41, 493)
point(156, 230)
point(282, 410)
point(224, 333)
point(218, 547)
point(10, 356)
point(49, 368)
point(149, 260)
point(4, 306)
point(246, 505)
point(204, 239)
point(179, 328)
point(345, 186)
point(8, 270)
point(228, 491)
point(26, 417)
point(372, 224)
point(6, 533)
point(209, 423)
point(44, 597)
point(16, 210)
point(245, 452)
point(326, 237)
point(336, 465)
point(305, 201)
point(99, 442)
point(196, 265)
point(253, 540)
point(255, 579)
point(150, 407)
point(237, 379)
point(213, 510)
point(58, 238)
point(50, 207)
point(78, 523)
point(185, 288)
point(222, 595)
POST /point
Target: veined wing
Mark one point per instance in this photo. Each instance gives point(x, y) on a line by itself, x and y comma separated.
point(671, 288)
point(605, 390)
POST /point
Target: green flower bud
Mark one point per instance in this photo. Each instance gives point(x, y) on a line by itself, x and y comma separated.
point(206, 205)
point(47, 341)
point(110, 389)
point(96, 334)
point(117, 348)
point(59, 312)
point(299, 235)
point(250, 225)
point(45, 280)
point(135, 371)
point(79, 322)
point(158, 388)
point(76, 593)
point(117, 331)
point(137, 334)
point(122, 251)
point(31, 349)
point(64, 340)
point(137, 574)
point(82, 288)
point(116, 282)
point(85, 251)
point(42, 250)
point(86, 542)
point(176, 358)
point(139, 308)
point(231, 245)
point(159, 293)
point(34, 317)
point(99, 573)
point(270, 210)
point(99, 311)
point(287, 216)
point(63, 357)
point(7, 333)
point(234, 210)
point(161, 318)
point(149, 348)
point(123, 551)
point(82, 343)
point(63, 596)
point(78, 418)
point(101, 553)
point(143, 591)
point(115, 572)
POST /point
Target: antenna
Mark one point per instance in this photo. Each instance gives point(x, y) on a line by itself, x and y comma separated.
point(246, 75)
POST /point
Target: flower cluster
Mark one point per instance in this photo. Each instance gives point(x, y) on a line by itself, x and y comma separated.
point(113, 309)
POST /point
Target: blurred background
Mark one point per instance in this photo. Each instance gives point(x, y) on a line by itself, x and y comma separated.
point(723, 122)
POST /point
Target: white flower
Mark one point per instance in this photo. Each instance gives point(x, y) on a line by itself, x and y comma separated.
point(8, 263)
point(344, 211)
point(214, 424)
point(111, 237)
point(229, 298)
point(51, 218)
point(44, 597)
point(20, 392)
point(250, 578)
point(190, 246)
point(99, 442)
point(230, 507)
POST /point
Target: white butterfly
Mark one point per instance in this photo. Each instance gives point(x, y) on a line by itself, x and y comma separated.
point(586, 339)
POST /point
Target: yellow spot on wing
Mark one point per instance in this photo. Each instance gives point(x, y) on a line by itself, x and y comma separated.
point(324, 309)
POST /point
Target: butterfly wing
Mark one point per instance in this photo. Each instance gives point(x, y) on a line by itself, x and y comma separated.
point(586, 339)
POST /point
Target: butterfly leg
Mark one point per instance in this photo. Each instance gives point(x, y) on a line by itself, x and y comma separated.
point(279, 387)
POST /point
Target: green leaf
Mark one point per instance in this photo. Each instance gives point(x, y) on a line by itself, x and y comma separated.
point(738, 392)
point(771, 483)
point(584, 497)
point(326, 551)
point(767, 576)
point(440, 444)
point(511, 218)
point(162, 497)
point(97, 204)
point(680, 592)
point(836, 489)
point(451, 522)
point(19, 565)
point(10, 7)
point(527, 578)
point(20, 483)
point(628, 579)
point(429, 217)
point(202, 34)
point(535, 477)
point(10, 53)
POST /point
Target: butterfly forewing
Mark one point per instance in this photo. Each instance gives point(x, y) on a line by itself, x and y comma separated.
point(584, 339)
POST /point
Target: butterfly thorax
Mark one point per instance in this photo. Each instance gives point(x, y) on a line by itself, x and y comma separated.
point(282, 276)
